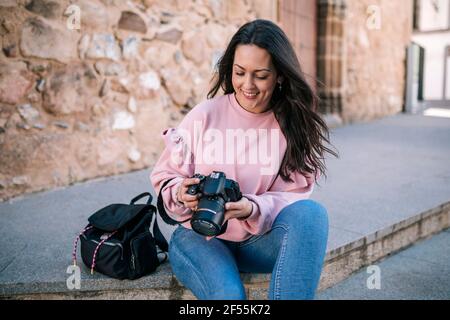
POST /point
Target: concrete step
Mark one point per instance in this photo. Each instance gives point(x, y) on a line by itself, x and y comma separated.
point(420, 272)
point(389, 189)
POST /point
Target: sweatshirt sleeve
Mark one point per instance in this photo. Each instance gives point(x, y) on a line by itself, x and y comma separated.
point(177, 163)
point(267, 206)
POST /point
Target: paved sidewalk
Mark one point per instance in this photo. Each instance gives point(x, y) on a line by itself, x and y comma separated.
point(421, 272)
point(389, 171)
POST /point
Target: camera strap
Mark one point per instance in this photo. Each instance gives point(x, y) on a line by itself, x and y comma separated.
point(169, 220)
point(162, 209)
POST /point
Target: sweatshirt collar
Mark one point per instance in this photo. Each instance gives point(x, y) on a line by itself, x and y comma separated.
point(235, 104)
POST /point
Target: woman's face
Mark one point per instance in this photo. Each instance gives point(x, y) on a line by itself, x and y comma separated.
point(254, 77)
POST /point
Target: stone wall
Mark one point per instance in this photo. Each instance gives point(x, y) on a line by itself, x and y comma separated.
point(89, 99)
point(375, 55)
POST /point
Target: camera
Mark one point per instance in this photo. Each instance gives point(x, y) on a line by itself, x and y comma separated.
point(216, 190)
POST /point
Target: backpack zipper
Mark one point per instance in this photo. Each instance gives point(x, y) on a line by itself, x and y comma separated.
point(133, 265)
point(133, 257)
point(108, 244)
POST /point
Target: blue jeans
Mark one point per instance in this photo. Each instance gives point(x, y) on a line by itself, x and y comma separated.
point(293, 251)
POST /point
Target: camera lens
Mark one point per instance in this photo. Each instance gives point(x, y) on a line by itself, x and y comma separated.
point(205, 228)
point(208, 219)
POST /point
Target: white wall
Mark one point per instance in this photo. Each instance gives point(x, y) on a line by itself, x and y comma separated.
point(434, 14)
point(447, 89)
point(434, 45)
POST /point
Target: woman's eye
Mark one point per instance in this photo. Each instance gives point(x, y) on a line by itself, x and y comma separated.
point(240, 74)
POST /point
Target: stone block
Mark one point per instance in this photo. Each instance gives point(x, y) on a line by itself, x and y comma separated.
point(193, 45)
point(340, 268)
point(103, 45)
point(94, 15)
point(132, 22)
point(43, 40)
point(15, 82)
point(68, 90)
point(46, 8)
point(169, 33)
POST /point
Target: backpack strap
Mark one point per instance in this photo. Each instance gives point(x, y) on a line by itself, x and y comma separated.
point(75, 244)
point(142, 195)
point(160, 240)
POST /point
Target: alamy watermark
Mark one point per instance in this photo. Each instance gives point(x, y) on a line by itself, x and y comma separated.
point(74, 280)
point(374, 280)
point(373, 21)
point(73, 13)
point(234, 146)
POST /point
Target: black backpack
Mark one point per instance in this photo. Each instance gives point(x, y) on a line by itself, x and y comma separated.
point(121, 242)
point(118, 241)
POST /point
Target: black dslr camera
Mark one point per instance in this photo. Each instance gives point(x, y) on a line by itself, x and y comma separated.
point(216, 190)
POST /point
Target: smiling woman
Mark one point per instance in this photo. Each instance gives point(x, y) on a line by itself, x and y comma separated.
point(258, 57)
point(273, 227)
point(254, 78)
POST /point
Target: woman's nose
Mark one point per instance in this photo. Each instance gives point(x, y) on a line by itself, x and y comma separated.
point(248, 82)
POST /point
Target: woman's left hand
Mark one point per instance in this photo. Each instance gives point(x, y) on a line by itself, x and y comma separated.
point(240, 209)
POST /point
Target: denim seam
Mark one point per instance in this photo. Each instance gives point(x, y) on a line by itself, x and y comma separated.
point(188, 262)
point(241, 245)
point(253, 240)
point(277, 275)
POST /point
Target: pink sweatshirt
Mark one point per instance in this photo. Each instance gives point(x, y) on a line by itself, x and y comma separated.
point(219, 135)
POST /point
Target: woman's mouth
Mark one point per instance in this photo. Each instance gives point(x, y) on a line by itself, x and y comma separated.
point(249, 95)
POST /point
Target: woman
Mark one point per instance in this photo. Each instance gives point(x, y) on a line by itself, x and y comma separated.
point(267, 105)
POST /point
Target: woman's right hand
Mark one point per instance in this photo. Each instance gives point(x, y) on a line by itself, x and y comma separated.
point(188, 200)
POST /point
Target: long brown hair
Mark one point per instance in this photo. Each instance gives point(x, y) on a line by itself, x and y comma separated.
point(294, 106)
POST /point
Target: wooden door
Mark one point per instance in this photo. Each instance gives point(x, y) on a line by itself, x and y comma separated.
point(298, 18)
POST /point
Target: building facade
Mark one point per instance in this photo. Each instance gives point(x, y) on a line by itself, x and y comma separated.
point(86, 87)
point(432, 34)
